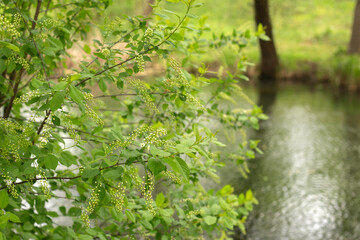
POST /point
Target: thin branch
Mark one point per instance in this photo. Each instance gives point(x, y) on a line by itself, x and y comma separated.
point(132, 94)
point(15, 91)
point(37, 11)
point(66, 178)
point(60, 6)
point(42, 124)
point(54, 196)
point(47, 7)
point(112, 45)
point(37, 179)
point(141, 53)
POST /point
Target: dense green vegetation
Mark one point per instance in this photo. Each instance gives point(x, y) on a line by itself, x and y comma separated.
point(107, 164)
point(308, 34)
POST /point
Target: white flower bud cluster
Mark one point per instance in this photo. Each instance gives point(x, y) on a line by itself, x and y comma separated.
point(44, 185)
point(27, 96)
point(93, 202)
point(19, 139)
point(117, 197)
point(149, 33)
point(114, 25)
point(8, 29)
point(191, 99)
point(134, 43)
point(47, 23)
point(88, 96)
point(170, 175)
point(146, 187)
point(143, 90)
point(21, 61)
point(135, 133)
point(139, 59)
point(147, 190)
point(106, 52)
point(193, 200)
point(9, 184)
point(177, 68)
point(65, 118)
point(153, 138)
point(92, 114)
point(192, 214)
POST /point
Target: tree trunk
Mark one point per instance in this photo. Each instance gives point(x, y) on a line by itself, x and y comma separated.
point(354, 45)
point(269, 58)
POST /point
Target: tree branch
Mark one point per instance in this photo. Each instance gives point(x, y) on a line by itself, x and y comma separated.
point(141, 53)
point(131, 94)
point(37, 11)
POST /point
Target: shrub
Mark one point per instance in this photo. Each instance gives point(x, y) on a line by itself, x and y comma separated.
point(103, 154)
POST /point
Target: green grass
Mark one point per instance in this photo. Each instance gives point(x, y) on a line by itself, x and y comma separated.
point(304, 30)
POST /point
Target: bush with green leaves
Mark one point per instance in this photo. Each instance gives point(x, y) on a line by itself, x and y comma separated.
point(103, 149)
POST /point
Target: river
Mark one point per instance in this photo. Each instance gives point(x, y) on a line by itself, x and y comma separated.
point(308, 179)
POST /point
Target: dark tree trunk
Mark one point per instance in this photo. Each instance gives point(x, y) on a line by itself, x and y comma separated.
point(269, 58)
point(354, 45)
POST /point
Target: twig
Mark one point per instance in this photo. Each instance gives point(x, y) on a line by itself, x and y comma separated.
point(141, 53)
point(131, 94)
point(37, 11)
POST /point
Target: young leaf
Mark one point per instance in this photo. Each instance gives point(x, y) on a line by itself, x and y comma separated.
point(57, 100)
point(156, 166)
point(210, 220)
point(4, 198)
point(76, 95)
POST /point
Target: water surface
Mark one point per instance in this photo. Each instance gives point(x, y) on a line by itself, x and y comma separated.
point(308, 180)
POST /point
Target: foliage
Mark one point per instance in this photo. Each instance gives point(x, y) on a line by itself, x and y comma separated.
point(346, 70)
point(107, 160)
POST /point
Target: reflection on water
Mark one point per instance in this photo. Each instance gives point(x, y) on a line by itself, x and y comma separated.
point(308, 180)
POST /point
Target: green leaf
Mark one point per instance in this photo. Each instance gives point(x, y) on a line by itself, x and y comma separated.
point(57, 100)
point(215, 209)
point(10, 46)
point(249, 195)
point(67, 159)
point(60, 86)
point(181, 148)
point(2, 65)
point(4, 198)
point(75, 77)
point(76, 94)
point(184, 168)
point(87, 49)
point(160, 199)
point(227, 222)
point(147, 224)
point(55, 120)
point(114, 173)
point(177, 36)
point(85, 237)
point(57, 137)
point(210, 220)
point(158, 152)
point(14, 218)
point(90, 172)
point(156, 166)
point(130, 216)
point(51, 161)
point(4, 219)
point(102, 85)
point(241, 199)
point(248, 206)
